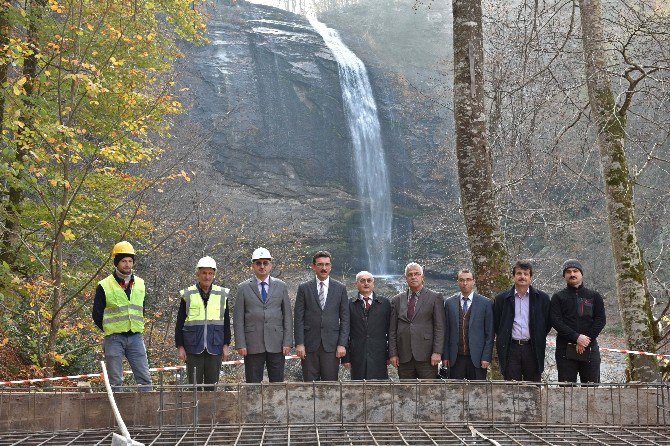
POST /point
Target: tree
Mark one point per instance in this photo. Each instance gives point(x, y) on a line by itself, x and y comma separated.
point(482, 220)
point(610, 119)
point(89, 102)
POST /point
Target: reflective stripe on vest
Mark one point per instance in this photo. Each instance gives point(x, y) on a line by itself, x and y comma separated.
point(204, 326)
point(197, 313)
point(121, 314)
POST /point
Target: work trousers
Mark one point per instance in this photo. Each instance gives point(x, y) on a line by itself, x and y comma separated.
point(118, 345)
point(204, 368)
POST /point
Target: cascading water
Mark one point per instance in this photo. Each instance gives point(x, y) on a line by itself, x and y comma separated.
point(370, 163)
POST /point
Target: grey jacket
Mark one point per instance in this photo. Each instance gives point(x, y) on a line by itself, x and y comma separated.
point(424, 334)
point(262, 327)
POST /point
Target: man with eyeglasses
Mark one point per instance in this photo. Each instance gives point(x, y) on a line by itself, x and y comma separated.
point(321, 322)
point(416, 331)
point(368, 348)
point(262, 321)
point(468, 340)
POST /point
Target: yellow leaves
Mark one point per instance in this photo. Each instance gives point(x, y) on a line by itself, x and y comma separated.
point(45, 224)
point(68, 235)
point(18, 86)
point(184, 175)
point(55, 6)
point(116, 62)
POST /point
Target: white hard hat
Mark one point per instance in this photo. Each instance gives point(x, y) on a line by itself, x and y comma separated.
point(206, 262)
point(261, 253)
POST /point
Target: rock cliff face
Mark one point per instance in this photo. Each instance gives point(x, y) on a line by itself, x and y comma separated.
point(266, 91)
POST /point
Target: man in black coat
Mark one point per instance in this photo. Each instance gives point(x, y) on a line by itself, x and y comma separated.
point(521, 323)
point(578, 314)
point(369, 316)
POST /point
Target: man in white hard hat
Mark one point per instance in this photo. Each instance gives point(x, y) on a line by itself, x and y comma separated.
point(202, 334)
point(118, 310)
point(263, 322)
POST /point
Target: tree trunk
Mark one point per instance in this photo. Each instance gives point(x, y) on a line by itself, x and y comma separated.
point(482, 220)
point(631, 278)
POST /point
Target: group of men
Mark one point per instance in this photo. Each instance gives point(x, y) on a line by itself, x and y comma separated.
point(414, 331)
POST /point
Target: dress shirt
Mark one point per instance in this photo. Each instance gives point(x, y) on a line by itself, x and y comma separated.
point(520, 329)
point(468, 297)
point(360, 296)
point(325, 286)
point(267, 285)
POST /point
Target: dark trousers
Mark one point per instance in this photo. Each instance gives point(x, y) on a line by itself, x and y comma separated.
point(414, 369)
point(463, 368)
point(589, 371)
point(207, 368)
point(522, 364)
point(320, 366)
point(254, 365)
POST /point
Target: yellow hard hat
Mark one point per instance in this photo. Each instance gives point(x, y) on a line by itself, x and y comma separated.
point(123, 248)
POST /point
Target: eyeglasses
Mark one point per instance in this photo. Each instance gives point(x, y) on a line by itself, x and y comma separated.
point(261, 263)
point(366, 280)
point(467, 279)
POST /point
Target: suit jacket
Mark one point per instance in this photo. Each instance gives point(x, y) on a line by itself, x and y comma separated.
point(262, 327)
point(421, 336)
point(539, 324)
point(314, 326)
point(480, 329)
point(368, 350)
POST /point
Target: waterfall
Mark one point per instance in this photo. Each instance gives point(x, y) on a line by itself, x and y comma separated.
point(369, 160)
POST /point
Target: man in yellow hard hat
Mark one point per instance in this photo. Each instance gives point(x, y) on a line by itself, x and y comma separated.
point(118, 310)
point(202, 333)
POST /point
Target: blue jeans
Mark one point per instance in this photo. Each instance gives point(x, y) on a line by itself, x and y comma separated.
point(117, 346)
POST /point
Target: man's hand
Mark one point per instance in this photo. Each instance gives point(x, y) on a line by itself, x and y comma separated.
point(340, 352)
point(485, 364)
point(300, 351)
point(226, 352)
point(583, 340)
point(181, 353)
point(445, 362)
point(394, 361)
point(347, 365)
point(242, 351)
point(435, 359)
point(285, 350)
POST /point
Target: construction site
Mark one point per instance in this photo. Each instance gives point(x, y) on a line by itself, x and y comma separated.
point(435, 412)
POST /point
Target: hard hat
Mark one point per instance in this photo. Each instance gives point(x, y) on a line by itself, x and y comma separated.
point(123, 248)
point(261, 253)
point(206, 262)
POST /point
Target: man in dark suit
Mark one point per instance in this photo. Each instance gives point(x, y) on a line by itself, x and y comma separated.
point(521, 322)
point(263, 321)
point(321, 322)
point(416, 331)
point(369, 316)
point(468, 340)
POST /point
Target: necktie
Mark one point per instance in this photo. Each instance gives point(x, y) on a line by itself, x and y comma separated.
point(465, 304)
point(367, 303)
point(322, 296)
point(264, 294)
point(411, 306)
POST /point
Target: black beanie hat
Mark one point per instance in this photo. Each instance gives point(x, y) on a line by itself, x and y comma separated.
point(118, 257)
point(572, 263)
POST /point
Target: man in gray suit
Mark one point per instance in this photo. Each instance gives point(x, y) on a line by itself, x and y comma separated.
point(262, 321)
point(468, 340)
point(416, 333)
point(321, 322)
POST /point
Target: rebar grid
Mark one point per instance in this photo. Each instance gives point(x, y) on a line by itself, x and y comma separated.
point(360, 434)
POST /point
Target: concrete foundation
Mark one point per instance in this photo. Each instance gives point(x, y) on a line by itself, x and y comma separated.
point(342, 403)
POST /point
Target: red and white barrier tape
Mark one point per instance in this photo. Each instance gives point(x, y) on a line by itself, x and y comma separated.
point(241, 361)
point(99, 375)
